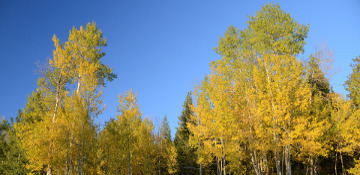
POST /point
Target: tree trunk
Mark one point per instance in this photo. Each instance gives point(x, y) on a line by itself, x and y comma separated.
point(276, 137)
point(342, 164)
point(283, 161)
point(287, 160)
point(48, 170)
point(277, 159)
point(315, 167)
point(311, 165)
point(224, 165)
point(78, 86)
point(221, 166)
point(82, 157)
point(307, 169)
point(217, 166)
point(336, 162)
point(255, 162)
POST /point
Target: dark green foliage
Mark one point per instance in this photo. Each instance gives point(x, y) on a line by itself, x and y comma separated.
point(165, 130)
point(12, 158)
point(186, 157)
point(316, 77)
point(353, 82)
point(164, 141)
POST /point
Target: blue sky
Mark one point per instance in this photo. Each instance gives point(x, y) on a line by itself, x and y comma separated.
point(160, 49)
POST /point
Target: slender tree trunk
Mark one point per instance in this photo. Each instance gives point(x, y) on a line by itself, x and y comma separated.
point(255, 162)
point(57, 97)
point(79, 84)
point(336, 153)
point(315, 167)
point(56, 106)
point(223, 160)
point(311, 165)
point(224, 165)
point(287, 160)
point(276, 137)
point(307, 169)
point(221, 166)
point(342, 164)
point(82, 158)
point(283, 161)
point(217, 166)
point(277, 159)
point(48, 170)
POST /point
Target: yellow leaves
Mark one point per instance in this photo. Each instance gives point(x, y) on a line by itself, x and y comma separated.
point(356, 169)
point(346, 125)
point(128, 133)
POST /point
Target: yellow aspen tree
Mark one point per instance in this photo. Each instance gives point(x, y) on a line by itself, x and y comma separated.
point(345, 125)
point(311, 131)
point(172, 155)
point(201, 127)
point(214, 110)
point(40, 124)
point(284, 96)
point(127, 143)
point(74, 61)
point(273, 39)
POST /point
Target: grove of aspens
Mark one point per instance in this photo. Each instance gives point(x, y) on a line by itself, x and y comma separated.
point(262, 110)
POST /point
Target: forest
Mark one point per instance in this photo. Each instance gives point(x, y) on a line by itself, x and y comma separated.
point(262, 110)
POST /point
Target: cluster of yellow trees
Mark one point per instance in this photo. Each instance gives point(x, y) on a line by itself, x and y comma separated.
point(57, 130)
point(262, 110)
point(262, 106)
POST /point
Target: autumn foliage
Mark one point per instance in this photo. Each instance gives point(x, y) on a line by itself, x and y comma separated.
point(261, 110)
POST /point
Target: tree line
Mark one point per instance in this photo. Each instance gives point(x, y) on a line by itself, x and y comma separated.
point(262, 110)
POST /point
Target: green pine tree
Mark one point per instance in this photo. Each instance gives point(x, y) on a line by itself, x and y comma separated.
point(186, 157)
point(12, 159)
point(353, 83)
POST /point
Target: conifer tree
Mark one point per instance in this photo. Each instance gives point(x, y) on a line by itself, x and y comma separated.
point(312, 130)
point(352, 83)
point(166, 150)
point(12, 158)
point(186, 157)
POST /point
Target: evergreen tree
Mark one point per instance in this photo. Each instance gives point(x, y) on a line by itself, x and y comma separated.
point(353, 84)
point(186, 157)
point(166, 162)
point(12, 158)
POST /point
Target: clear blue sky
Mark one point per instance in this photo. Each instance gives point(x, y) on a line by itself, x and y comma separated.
point(161, 49)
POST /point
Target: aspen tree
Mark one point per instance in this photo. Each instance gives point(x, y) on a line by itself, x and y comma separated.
point(76, 61)
point(310, 131)
point(273, 39)
point(127, 143)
